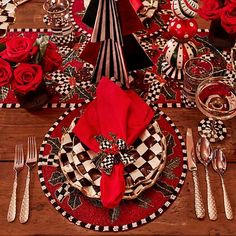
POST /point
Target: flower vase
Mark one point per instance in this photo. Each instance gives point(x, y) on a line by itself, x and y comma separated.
point(34, 100)
point(218, 37)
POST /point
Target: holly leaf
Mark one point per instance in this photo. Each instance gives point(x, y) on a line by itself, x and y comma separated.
point(55, 144)
point(82, 93)
point(170, 143)
point(157, 19)
point(164, 188)
point(95, 202)
point(70, 71)
point(74, 199)
point(159, 64)
point(114, 214)
point(171, 164)
point(57, 177)
point(2, 47)
point(168, 92)
point(3, 92)
point(144, 202)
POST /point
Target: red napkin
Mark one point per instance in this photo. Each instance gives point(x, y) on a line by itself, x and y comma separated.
point(119, 112)
point(136, 4)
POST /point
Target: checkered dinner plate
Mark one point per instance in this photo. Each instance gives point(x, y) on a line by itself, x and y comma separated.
point(149, 154)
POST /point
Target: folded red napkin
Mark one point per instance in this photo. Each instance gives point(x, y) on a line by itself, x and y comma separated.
point(136, 4)
point(114, 113)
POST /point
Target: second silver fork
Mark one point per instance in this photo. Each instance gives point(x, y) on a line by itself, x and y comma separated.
point(30, 162)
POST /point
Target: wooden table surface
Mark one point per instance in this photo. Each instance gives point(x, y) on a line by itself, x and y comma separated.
point(17, 124)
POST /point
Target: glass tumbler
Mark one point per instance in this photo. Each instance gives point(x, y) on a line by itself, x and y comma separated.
point(196, 70)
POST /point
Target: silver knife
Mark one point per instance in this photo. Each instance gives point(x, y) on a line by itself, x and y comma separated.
point(198, 203)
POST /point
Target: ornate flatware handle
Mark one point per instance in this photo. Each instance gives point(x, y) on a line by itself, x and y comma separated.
point(199, 206)
point(24, 211)
point(211, 204)
point(11, 214)
point(228, 208)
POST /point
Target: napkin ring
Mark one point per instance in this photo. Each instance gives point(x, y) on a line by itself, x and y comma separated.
point(112, 152)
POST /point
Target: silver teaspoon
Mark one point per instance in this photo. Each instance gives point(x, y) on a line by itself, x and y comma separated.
point(205, 154)
point(219, 165)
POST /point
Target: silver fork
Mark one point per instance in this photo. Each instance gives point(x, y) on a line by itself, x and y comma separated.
point(30, 163)
point(18, 166)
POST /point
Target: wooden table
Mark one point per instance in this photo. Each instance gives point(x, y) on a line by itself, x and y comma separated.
point(17, 124)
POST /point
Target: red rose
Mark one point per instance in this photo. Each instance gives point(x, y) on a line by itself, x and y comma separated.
point(228, 18)
point(52, 59)
point(210, 9)
point(5, 72)
point(19, 49)
point(27, 78)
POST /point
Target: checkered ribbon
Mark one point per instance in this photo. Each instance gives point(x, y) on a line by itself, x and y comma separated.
point(113, 152)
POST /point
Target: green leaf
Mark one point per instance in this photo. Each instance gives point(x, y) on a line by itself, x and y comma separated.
point(42, 43)
point(144, 202)
point(168, 92)
point(164, 188)
point(70, 71)
point(170, 143)
point(74, 200)
point(57, 177)
point(2, 47)
point(114, 214)
point(55, 144)
point(171, 164)
point(95, 202)
point(3, 92)
point(82, 93)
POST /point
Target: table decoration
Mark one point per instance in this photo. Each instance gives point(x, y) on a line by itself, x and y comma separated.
point(7, 16)
point(88, 212)
point(57, 16)
point(113, 50)
point(219, 164)
point(25, 61)
point(204, 153)
point(223, 28)
point(192, 166)
point(71, 84)
point(109, 126)
point(195, 71)
point(215, 98)
point(182, 29)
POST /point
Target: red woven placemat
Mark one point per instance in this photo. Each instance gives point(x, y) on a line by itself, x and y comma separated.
point(88, 212)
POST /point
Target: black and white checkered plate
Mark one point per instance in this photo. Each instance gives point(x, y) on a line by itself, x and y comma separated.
point(149, 153)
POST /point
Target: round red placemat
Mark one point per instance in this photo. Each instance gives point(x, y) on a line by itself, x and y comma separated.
point(88, 212)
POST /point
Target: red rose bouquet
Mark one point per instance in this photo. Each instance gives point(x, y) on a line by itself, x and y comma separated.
point(23, 63)
point(225, 11)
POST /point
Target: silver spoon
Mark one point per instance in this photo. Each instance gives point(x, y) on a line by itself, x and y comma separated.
point(204, 154)
point(219, 165)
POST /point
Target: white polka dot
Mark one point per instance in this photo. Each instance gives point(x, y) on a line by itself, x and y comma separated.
point(191, 24)
point(186, 36)
point(172, 23)
point(178, 26)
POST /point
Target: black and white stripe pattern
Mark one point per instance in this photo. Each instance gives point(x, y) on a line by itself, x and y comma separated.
point(107, 25)
point(125, 227)
point(42, 30)
point(185, 9)
point(110, 63)
point(72, 17)
point(172, 72)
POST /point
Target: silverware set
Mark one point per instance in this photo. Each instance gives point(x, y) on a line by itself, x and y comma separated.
point(206, 155)
point(31, 160)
